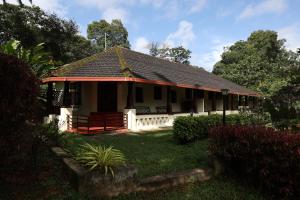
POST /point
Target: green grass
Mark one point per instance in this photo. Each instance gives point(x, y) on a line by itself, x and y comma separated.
point(221, 188)
point(157, 153)
point(152, 153)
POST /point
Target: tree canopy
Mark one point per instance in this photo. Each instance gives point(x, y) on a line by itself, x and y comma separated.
point(176, 54)
point(261, 62)
point(33, 26)
point(115, 33)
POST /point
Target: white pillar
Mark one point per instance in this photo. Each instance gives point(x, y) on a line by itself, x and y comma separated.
point(62, 119)
point(131, 119)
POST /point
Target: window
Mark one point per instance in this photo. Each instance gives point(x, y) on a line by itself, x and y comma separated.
point(188, 93)
point(210, 95)
point(139, 95)
point(219, 96)
point(199, 94)
point(75, 92)
point(173, 96)
point(157, 93)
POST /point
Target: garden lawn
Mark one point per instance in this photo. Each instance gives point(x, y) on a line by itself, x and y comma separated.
point(152, 153)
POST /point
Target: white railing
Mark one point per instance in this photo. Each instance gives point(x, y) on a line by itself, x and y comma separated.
point(156, 121)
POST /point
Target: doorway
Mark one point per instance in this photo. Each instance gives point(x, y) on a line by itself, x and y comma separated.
point(107, 97)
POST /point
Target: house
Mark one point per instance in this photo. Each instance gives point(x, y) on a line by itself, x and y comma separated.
point(120, 88)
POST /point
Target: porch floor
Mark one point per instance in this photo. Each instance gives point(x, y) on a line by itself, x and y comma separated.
point(97, 130)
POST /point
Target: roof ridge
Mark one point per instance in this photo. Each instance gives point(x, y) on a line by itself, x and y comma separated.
point(125, 68)
point(170, 61)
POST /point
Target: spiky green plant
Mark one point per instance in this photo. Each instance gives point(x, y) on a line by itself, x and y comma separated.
point(39, 60)
point(100, 157)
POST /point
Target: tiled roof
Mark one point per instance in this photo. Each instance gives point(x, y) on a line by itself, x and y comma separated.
point(121, 62)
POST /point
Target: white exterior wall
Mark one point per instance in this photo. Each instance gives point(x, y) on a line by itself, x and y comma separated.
point(122, 96)
point(88, 98)
point(138, 122)
point(149, 101)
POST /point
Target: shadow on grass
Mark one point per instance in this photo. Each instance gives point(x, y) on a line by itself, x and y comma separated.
point(153, 153)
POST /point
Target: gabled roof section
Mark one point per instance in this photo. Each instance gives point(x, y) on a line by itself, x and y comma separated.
point(121, 64)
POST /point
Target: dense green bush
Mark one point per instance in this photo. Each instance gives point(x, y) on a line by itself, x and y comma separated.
point(264, 157)
point(189, 128)
point(18, 100)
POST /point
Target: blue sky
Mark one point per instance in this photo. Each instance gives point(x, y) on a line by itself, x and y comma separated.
point(203, 26)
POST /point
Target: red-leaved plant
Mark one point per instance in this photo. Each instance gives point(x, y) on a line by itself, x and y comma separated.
point(265, 157)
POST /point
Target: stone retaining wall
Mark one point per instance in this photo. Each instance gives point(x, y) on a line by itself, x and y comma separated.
point(96, 185)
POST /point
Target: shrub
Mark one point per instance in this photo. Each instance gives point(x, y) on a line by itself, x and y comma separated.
point(264, 157)
point(49, 132)
point(18, 97)
point(255, 116)
point(188, 129)
point(98, 157)
point(18, 91)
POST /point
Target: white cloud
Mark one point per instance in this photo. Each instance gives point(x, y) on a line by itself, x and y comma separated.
point(53, 6)
point(118, 9)
point(266, 6)
point(115, 13)
point(184, 35)
point(292, 35)
point(141, 44)
point(208, 59)
point(198, 6)
point(154, 3)
point(111, 9)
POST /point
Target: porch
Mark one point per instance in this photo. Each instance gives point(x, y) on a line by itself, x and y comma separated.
point(92, 107)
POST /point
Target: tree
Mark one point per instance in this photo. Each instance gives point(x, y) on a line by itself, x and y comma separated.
point(180, 55)
point(39, 60)
point(32, 26)
point(19, 1)
point(260, 63)
point(177, 54)
point(114, 33)
point(154, 49)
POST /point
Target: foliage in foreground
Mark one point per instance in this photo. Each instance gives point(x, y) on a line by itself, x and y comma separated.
point(39, 60)
point(99, 157)
point(49, 132)
point(266, 158)
point(18, 91)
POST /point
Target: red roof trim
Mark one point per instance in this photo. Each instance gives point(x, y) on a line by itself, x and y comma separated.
point(137, 80)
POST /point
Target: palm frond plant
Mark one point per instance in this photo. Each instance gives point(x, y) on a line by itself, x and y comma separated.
point(39, 60)
point(100, 157)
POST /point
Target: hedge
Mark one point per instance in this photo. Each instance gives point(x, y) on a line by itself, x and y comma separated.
point(264, 157)
point(189, 128)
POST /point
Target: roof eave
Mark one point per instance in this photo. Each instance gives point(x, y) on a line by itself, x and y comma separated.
point(139, 80)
